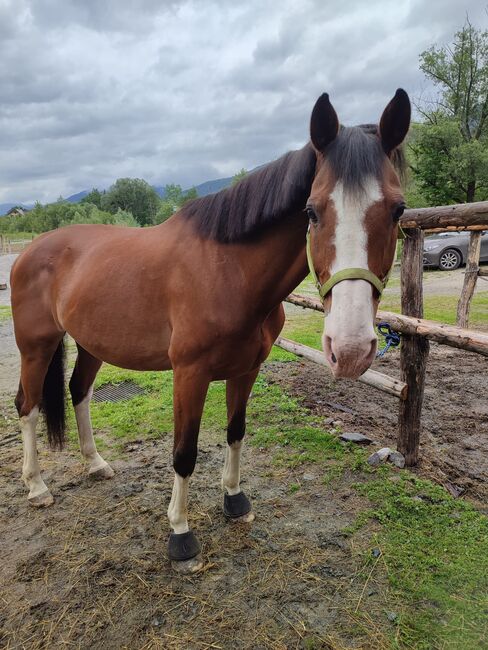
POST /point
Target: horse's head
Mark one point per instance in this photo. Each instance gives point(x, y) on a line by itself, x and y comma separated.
point(354, 207)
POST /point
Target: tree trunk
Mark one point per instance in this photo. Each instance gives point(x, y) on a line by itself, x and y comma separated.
point(470, 277)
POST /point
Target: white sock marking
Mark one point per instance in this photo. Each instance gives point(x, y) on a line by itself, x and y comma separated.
point(31, 472)
point(85, 433)
point(231, 473)
point(178, 506)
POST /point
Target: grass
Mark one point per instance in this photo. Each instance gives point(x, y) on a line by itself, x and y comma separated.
point(435, 550)
point(5, 313)
point(18, 235)
point(443, 308)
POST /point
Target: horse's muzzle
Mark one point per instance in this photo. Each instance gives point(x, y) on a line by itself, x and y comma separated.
point(349, 358)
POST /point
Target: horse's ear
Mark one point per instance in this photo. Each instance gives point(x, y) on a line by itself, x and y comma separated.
point(395, 121)
point(324, 124)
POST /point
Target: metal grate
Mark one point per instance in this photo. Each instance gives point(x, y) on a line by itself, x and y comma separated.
point(117, 392)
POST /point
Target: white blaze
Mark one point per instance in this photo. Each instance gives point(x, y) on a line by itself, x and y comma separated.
point(351, 316)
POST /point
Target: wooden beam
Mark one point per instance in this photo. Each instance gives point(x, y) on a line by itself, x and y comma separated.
point(445, 217)
point(470, 277)
point(371, 377)
point(454, 337)
point(414, 350)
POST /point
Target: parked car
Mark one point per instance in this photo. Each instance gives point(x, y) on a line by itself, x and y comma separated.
point(448, 250)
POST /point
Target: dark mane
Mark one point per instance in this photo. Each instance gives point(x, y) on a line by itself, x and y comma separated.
point(259, 200)
point(282, 187)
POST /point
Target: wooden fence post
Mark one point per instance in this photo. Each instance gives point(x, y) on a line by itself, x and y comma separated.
point(414, 350)
point(470, 277)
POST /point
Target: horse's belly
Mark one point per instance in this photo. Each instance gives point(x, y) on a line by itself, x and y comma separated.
point(138, 347)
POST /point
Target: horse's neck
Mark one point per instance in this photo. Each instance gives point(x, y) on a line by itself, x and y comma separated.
point(277, 263)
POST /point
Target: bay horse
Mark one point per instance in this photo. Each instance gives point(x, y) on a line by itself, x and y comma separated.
point(202, 294)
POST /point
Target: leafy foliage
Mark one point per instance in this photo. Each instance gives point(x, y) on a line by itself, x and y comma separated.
point(239, 176)
point(132, 195)
point(94, 197)
point(54, 215)
point(173, 199)
point(450, 154)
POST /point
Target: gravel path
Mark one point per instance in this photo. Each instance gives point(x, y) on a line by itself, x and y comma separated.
point(6, 262)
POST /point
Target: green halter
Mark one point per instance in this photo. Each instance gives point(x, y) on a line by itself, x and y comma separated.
point(345, 274)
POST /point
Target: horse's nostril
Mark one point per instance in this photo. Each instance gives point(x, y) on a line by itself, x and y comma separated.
point(333, 357)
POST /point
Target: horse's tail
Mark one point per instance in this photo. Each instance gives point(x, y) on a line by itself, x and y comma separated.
point(53, 399)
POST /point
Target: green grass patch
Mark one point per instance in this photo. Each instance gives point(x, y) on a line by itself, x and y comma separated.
point(149, 415)
point(443, 308)
point(5, 313)
point(19, 235)
point(435, 549)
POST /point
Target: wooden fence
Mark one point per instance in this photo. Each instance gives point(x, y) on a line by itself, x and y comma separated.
point(416, 331)
point(8, 245)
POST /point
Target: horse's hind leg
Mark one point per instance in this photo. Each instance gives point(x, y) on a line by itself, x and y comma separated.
point(81, 389)
point(237, 506)
point(34, 368)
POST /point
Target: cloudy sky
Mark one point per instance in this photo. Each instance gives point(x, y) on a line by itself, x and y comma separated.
point(183, 92)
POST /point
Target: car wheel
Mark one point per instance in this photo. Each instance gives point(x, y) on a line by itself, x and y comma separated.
point(450, 259)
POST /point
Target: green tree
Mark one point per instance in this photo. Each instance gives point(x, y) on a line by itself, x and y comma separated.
point(239, 176)
point(133, 195)
point(450, 148)
point(173, 199)
point(94, 197)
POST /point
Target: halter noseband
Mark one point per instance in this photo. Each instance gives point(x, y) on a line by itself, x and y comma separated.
point(345, 274)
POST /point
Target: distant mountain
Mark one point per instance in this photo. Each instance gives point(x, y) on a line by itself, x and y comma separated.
point(209, 187)
point(76, 198)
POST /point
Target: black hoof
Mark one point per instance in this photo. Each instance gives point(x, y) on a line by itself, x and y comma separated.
point(236, 505)
point(183, 546)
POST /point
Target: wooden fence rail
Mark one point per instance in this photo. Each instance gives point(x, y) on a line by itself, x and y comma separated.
point(444, 218)
point(370, 377)
point(455, 337)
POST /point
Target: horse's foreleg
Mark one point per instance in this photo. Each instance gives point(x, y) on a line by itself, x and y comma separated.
point(236, 504)
point(81, 388)
point(190, 390)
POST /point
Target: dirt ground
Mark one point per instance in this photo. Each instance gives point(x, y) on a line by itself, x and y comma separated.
point(454, 440)
point(92, 572)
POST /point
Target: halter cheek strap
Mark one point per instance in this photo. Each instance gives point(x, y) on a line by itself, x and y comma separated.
point(345, 274)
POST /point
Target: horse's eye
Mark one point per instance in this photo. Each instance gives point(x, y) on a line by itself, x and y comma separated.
point(311, 214)
point(398, 211)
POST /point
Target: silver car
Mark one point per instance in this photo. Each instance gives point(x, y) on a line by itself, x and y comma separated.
point(448, 250)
